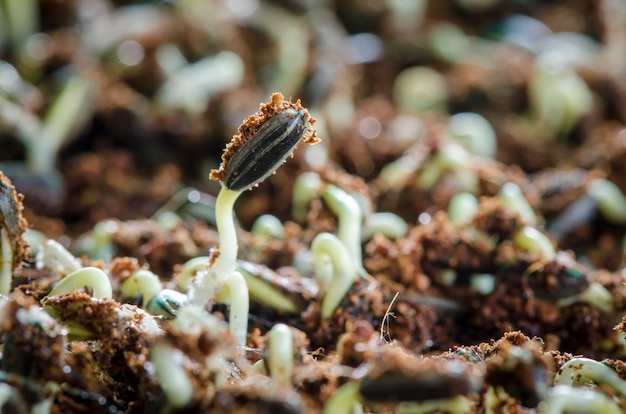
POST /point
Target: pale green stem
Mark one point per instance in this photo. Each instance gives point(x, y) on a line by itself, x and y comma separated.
point(55, 257)
point(349, 220)
point(532, 240)
point(344, 399)
point(455, 405)
point(583, 370)
point(595, 295)
point(144, 282)
point(513, 197)
point(610, 199)
point(87, 276)
point(6, 274)
point(344, 273)
point(189, 270)
point(268, 225)
point(389, 225)
point(452, 157)
point(235, 293)
point(565, 399)
point(281, 354)
point(68, 112)
point(22, 17)
point(462, 208)
point(226, 262)
point(172, 376)
point(475, 133)
point(266, 294)
point(307, 186)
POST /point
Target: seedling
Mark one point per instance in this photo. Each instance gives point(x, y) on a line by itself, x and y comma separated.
point(155, 299)
point(564, 399)
point(579, 371)
point(93, 278)
point(172, 376)
point(281, 354)
point(263, 143)
point(334, 271)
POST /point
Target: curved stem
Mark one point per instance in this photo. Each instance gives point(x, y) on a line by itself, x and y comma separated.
point(87, 276)
point(235, 293)
point(349, 213)
point(173, 378)
point(343, 399)
point(344, 273)
point(563, 398)
point(577, 370)
point(144, 282)
point(189, 270)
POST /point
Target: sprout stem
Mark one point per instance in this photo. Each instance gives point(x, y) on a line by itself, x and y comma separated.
point(171, 375)
point(235, 293)
point(349, 223)
point(390, 225)
point(581, 370)
point(227, 260)
point(144, 282)
point(344, 273)
point(532, 240)
point(563, 398)
point(281, 354)
point(87, 276)
point(344, 399)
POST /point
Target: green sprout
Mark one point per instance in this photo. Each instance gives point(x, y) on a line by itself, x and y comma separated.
point(513, 197)
point(611, 200)
point(94, 279)
point(259, 282)
point(334, 271)
point(307, 186)
point(475, 133)
point(155, 299)
point(280, 359)
point(565, 399)
point(533, 241)
point(420, 90)
point(263, 143)
point(172, 376)
point(350, 221)
point(193, 85)
point(389, 225)
point(595, 295)
point(558, 96)
point(462, 208)
point(268, 225)
point(22, 21)
point(451, 158)
point(578, 371)
point(69, 111)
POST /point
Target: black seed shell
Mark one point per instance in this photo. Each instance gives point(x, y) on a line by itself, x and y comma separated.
point(262, 154)
point(394, 387)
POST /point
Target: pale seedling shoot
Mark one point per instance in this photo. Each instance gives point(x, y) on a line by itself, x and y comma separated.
point(263, 143)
